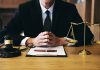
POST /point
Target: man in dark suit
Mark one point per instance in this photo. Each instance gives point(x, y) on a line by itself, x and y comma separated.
point(31, 17)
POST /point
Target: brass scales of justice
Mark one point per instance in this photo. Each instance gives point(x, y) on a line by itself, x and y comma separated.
point(84, 51)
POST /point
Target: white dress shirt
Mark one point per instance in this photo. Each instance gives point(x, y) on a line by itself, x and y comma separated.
point(44, 10)
point(43, 18)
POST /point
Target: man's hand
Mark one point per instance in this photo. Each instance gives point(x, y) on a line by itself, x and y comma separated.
point(42, 39)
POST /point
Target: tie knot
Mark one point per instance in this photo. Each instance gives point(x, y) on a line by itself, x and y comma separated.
point(47, 12)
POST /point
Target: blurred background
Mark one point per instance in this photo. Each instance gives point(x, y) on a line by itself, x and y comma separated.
point(88, 9)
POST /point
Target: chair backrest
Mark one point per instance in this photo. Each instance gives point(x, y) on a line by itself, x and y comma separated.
point(0, 23)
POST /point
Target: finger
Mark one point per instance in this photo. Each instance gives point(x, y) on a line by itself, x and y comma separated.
point(43, 33)
point(44, 41)
point(43, 44)
point(51, 34)
point(52, 38)
point(51, 42)
point(44, 37)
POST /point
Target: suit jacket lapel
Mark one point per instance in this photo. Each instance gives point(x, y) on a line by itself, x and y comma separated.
point(56, 14)
point(36, 11)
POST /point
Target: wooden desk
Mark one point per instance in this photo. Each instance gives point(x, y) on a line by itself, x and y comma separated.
point(72, 62)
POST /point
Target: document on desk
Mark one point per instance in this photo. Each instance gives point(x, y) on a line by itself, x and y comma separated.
point(47, 51)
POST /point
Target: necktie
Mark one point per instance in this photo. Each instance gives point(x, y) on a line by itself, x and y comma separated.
point(47, 22)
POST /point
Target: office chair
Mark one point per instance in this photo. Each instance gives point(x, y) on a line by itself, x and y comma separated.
point(0, 23)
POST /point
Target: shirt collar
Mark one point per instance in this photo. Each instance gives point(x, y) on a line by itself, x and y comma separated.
point(44, 9)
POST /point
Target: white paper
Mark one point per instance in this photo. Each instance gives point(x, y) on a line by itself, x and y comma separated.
point(59, 51)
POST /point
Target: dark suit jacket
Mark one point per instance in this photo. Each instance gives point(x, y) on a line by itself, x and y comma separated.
point(29, 20)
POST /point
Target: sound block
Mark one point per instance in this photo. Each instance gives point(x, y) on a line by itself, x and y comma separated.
point(8, 53)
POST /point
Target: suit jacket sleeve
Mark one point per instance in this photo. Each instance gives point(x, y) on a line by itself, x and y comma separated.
point(14, 28)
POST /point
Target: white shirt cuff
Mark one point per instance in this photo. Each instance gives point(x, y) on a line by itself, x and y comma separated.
point(24, 41)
